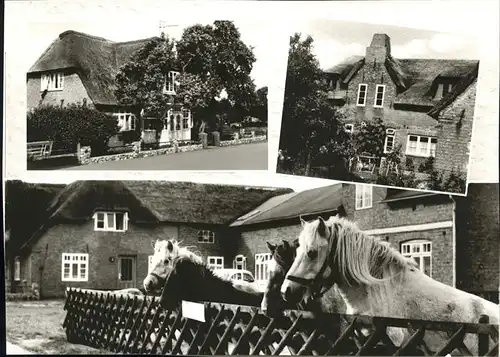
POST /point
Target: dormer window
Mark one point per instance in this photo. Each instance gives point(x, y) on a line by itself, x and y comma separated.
point(171, 84)
point(379, 96)
point(111, 221)
point(52, 81)
point(361, 101)
point(443, 89)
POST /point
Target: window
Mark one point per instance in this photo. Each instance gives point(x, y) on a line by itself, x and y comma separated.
point(75, 267)
point(389, 140)
point(186, 119)
point(126, 120)
point(421, 252)
point(171, 84)
point(361, 95)
point(349, 128)
point(52, 81)
point(379, 96)
point(363, 196)
point(421, 146)
point(111, 221)
point(17, 269)
point(240, 262)
point(261, 269)
point(215, 262)
point(150, 264)
point(206, 237)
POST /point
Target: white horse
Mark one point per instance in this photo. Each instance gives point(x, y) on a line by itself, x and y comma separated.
point(375, 279)
point(164, 252)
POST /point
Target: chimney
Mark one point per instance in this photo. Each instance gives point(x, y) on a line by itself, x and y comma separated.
point(379, 49)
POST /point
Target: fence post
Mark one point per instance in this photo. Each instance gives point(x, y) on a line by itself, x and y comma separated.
point(483, 339)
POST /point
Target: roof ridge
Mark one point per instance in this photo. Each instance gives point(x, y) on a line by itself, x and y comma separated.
point(135, 41)
point(78, 33)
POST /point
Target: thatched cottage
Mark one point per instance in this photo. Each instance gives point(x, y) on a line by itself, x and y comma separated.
point(427, 105)
point(80, 68)
point(98, 234)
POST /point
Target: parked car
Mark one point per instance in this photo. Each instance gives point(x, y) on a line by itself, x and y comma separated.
point(240, 276)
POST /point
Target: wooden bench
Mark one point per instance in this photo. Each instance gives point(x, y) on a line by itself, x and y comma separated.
point(38, 150)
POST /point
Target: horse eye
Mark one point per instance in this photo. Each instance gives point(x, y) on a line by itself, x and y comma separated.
point(312, 254)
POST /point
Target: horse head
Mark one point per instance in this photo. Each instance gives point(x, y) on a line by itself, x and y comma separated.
point(282, 256)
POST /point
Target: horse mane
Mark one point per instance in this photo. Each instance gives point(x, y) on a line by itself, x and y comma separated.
point(361, 258)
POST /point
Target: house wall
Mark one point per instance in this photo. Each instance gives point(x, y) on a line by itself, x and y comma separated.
point(73, 92)
point(478, 239)
point(101, 246)
point(453, 145)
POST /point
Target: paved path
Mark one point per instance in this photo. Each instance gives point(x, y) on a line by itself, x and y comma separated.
point(16, 350)
point(238, 157)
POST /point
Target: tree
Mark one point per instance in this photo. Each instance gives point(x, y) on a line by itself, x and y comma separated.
point(140, 81)
point(371, 138)
point(259, 109)
point(310, 128)
point(67, 126)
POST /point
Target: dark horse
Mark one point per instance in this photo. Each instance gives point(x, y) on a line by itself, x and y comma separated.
point(283, 255)
point(194, 281)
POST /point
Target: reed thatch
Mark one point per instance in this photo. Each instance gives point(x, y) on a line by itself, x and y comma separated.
point(96, 59)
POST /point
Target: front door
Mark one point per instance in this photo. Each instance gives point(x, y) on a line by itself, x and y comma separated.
point(126, 272)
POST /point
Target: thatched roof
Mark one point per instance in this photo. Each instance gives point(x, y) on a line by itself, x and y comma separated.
point(156, 201)
point(96, 59)
point(315, 201)
point(416, 79)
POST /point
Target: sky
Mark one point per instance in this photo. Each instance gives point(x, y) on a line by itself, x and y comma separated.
point(42, 34)
point(337, 40)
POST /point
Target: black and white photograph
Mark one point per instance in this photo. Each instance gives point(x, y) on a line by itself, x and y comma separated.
point(379, 104)
point(141, 258)
point(155, 96)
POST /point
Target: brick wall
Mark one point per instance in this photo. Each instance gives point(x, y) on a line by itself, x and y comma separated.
point(408, 212)
point(221, 247)
point(81, 238)
point(73, 92)
point(453, 145)
point(478, 236)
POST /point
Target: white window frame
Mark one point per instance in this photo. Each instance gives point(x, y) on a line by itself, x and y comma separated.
point(424, 247)
point(364, 197)
point(349, 128)
point(213, 264)
point(381, 105)
point(365, 86)
point(52, 81)
point(150, 263)
point(17, 269)
point(206, 236)
point(171, 85)
point(261, 266)
point(429, 150)
point(126, 121)
point(240, 259)
point(106, 227)
point(75, 258)
point(389, 133)
point(183, 122)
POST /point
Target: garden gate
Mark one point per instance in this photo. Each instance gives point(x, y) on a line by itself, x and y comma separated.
point(139, 325)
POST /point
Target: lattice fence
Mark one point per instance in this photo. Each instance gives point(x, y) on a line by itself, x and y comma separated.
point(139, 325)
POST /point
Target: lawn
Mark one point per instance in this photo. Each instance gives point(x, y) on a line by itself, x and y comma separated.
point(37, 326)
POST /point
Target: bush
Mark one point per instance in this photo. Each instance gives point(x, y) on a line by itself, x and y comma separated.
point(129, 136)
point(67, 126)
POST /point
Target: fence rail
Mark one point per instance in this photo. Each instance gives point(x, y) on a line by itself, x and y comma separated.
point(139, 325)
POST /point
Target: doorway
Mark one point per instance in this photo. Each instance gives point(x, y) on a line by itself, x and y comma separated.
point(126, 272)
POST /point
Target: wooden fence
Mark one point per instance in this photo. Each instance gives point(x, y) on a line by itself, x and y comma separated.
point(139, 325)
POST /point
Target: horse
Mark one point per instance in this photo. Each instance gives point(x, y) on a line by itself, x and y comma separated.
point(164, 252)
point(282, 257)
point(192, 280)
point(375, 279)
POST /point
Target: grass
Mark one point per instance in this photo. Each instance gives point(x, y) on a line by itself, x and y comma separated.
point(37, 327)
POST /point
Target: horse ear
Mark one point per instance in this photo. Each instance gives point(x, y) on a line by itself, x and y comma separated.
point(153, 244)
point(271, 246)
point(321, 227)
point(170, 246)
point(285, 243)
point(302, 222)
